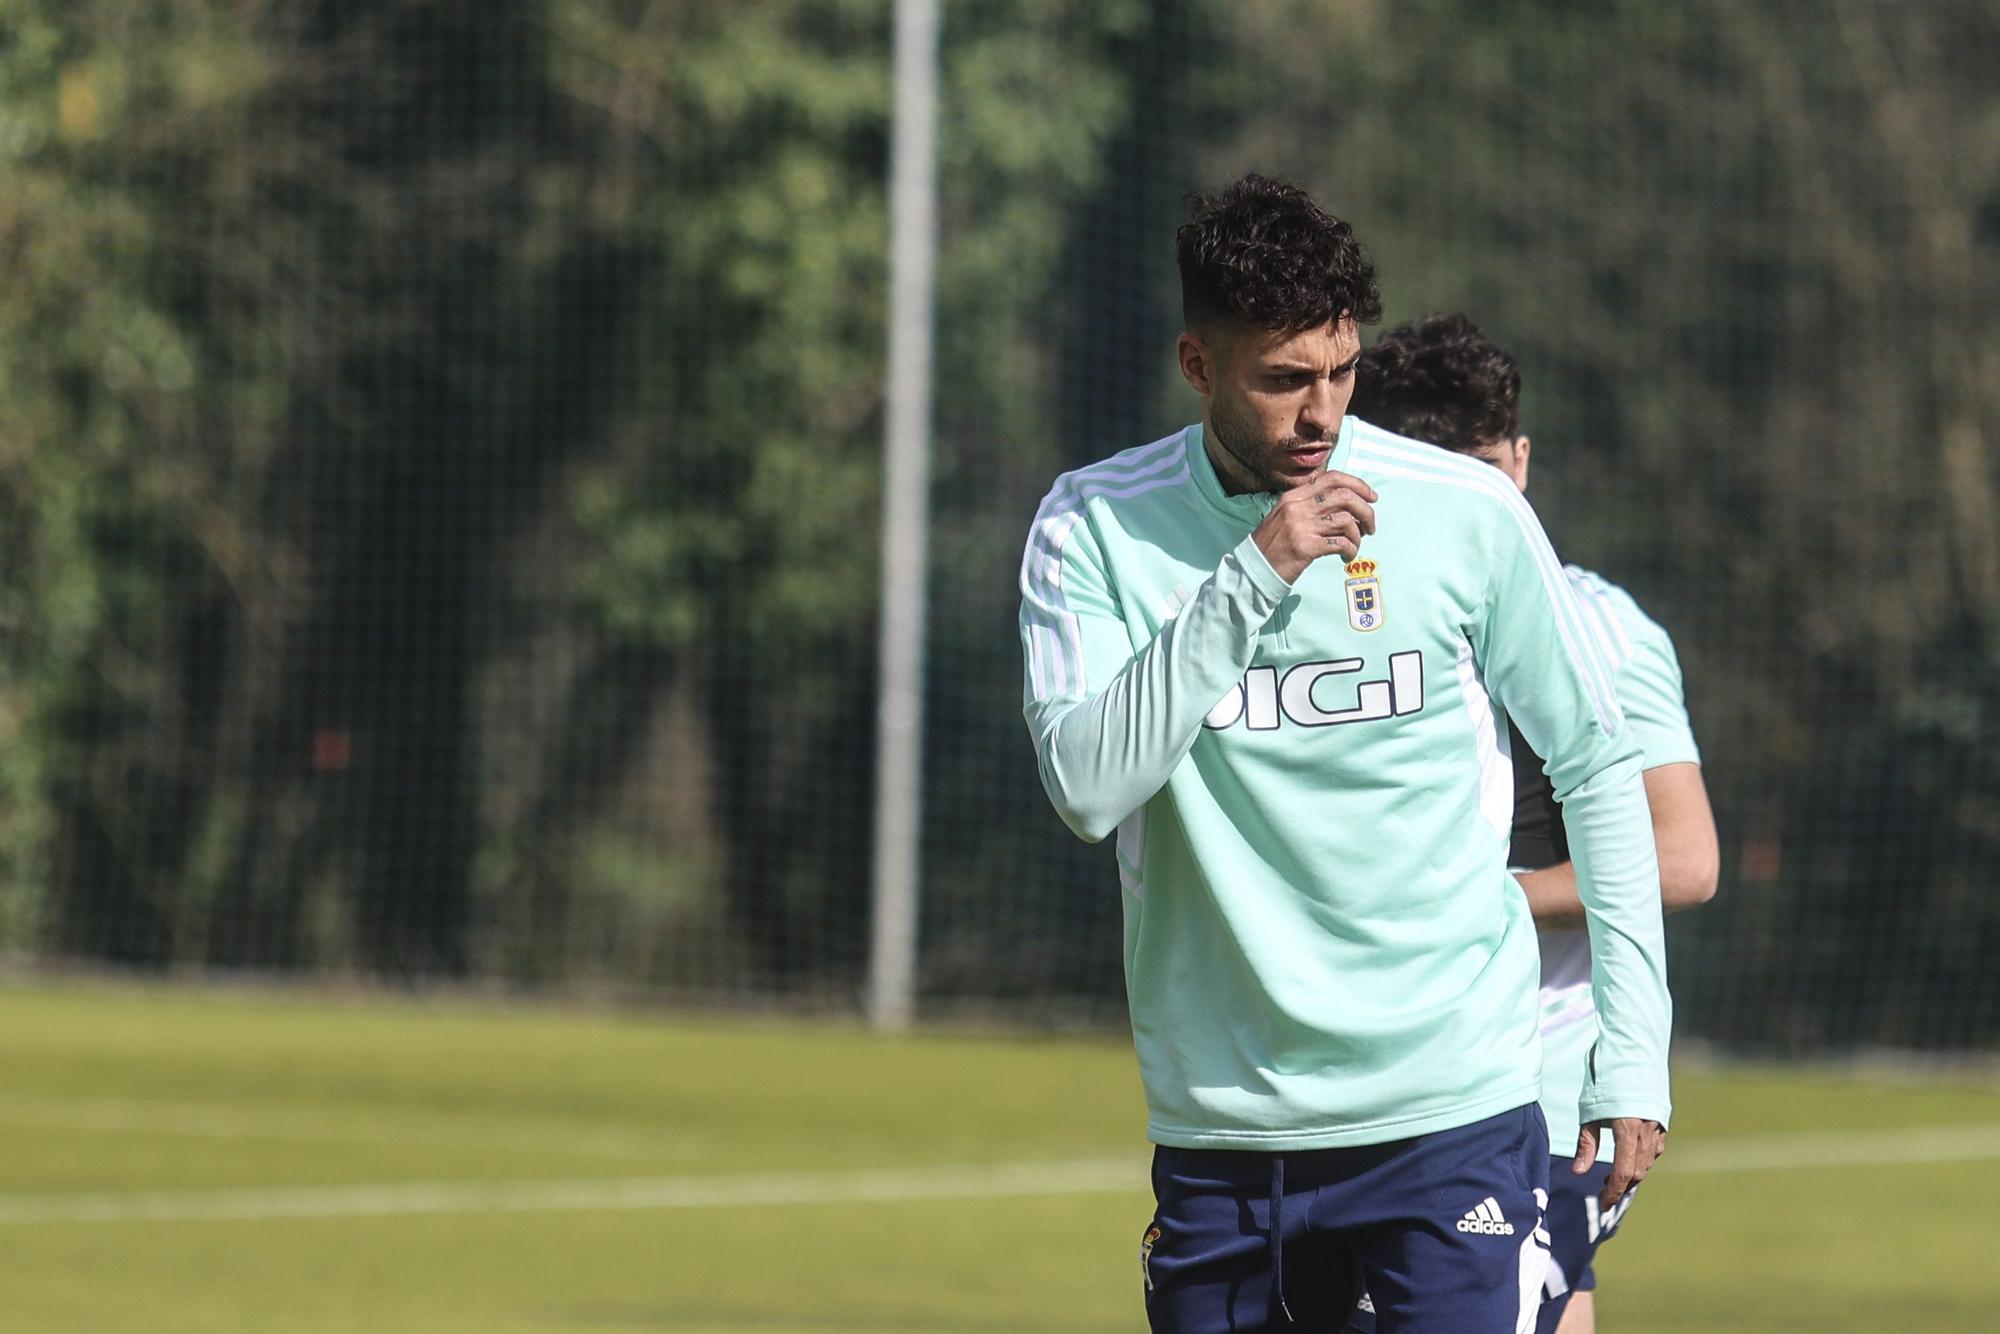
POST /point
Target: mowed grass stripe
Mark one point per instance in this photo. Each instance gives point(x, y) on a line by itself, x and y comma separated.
point(994, 1181)
point(374, 1126)
point(1086, 1176)
point(1885, 1148)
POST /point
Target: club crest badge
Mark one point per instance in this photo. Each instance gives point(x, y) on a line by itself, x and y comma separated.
point(1364, 596)
point(1146, 1255)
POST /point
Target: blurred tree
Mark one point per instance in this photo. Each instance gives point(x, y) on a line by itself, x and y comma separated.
point(303, 353)
point(729, 529)
point(141, 410)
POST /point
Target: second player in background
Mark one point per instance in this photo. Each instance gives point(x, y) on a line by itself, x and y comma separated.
point(1443, 381)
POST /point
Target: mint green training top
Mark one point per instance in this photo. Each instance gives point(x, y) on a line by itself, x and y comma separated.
point(1312, 797)
point(1646, 674)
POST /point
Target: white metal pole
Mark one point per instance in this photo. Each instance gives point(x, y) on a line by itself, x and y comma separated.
point(899, 738)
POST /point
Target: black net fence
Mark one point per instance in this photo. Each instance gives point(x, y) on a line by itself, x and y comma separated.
point(440, 460)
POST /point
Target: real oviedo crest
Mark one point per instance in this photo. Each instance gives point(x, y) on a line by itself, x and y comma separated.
point(1364, 596)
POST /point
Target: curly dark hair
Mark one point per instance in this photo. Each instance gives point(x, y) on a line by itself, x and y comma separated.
point(1439, 379)
point(1262, 253)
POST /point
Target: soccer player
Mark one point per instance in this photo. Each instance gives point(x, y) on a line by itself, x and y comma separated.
point(1443, 381)
point(1288, 717)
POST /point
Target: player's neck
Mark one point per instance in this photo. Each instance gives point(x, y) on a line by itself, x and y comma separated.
point(1234, 478)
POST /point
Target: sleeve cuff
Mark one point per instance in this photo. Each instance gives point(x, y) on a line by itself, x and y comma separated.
point(1258, 570)
point(1610, 1109)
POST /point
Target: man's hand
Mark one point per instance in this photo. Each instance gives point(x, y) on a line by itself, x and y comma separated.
point(1636, 1146)
point(1328, 516)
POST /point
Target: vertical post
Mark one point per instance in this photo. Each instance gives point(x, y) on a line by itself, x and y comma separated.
point(899, 738)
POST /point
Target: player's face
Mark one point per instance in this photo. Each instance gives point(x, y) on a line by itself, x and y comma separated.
point(1509, 456)
point(1274, 400)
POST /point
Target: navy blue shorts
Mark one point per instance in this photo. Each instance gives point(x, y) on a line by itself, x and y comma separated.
point(1576, 1225)
point(1444, 1231)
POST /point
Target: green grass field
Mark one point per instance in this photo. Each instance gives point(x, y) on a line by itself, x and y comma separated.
point(177, 1160)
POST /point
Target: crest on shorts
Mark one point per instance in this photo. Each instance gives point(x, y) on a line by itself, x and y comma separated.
point(1364, 596)
point(1146, 1255)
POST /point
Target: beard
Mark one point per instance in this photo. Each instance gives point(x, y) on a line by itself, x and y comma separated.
point(1254, 463)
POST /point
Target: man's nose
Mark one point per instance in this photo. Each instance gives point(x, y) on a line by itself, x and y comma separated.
point(1316, 418)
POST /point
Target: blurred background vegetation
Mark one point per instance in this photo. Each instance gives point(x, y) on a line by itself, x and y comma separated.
point(439, 459)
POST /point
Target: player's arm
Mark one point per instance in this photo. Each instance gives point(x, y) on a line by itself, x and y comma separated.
point(1683, 834)
point(1654, 700)
point(1110, 718)
point(1542, 665)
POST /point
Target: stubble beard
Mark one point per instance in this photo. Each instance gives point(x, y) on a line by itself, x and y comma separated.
point(1254, 458)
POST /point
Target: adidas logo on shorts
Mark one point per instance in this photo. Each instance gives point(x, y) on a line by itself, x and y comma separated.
point(1486, 1219)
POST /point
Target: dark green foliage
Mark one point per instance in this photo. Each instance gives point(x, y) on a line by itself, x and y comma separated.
point(439, 456)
